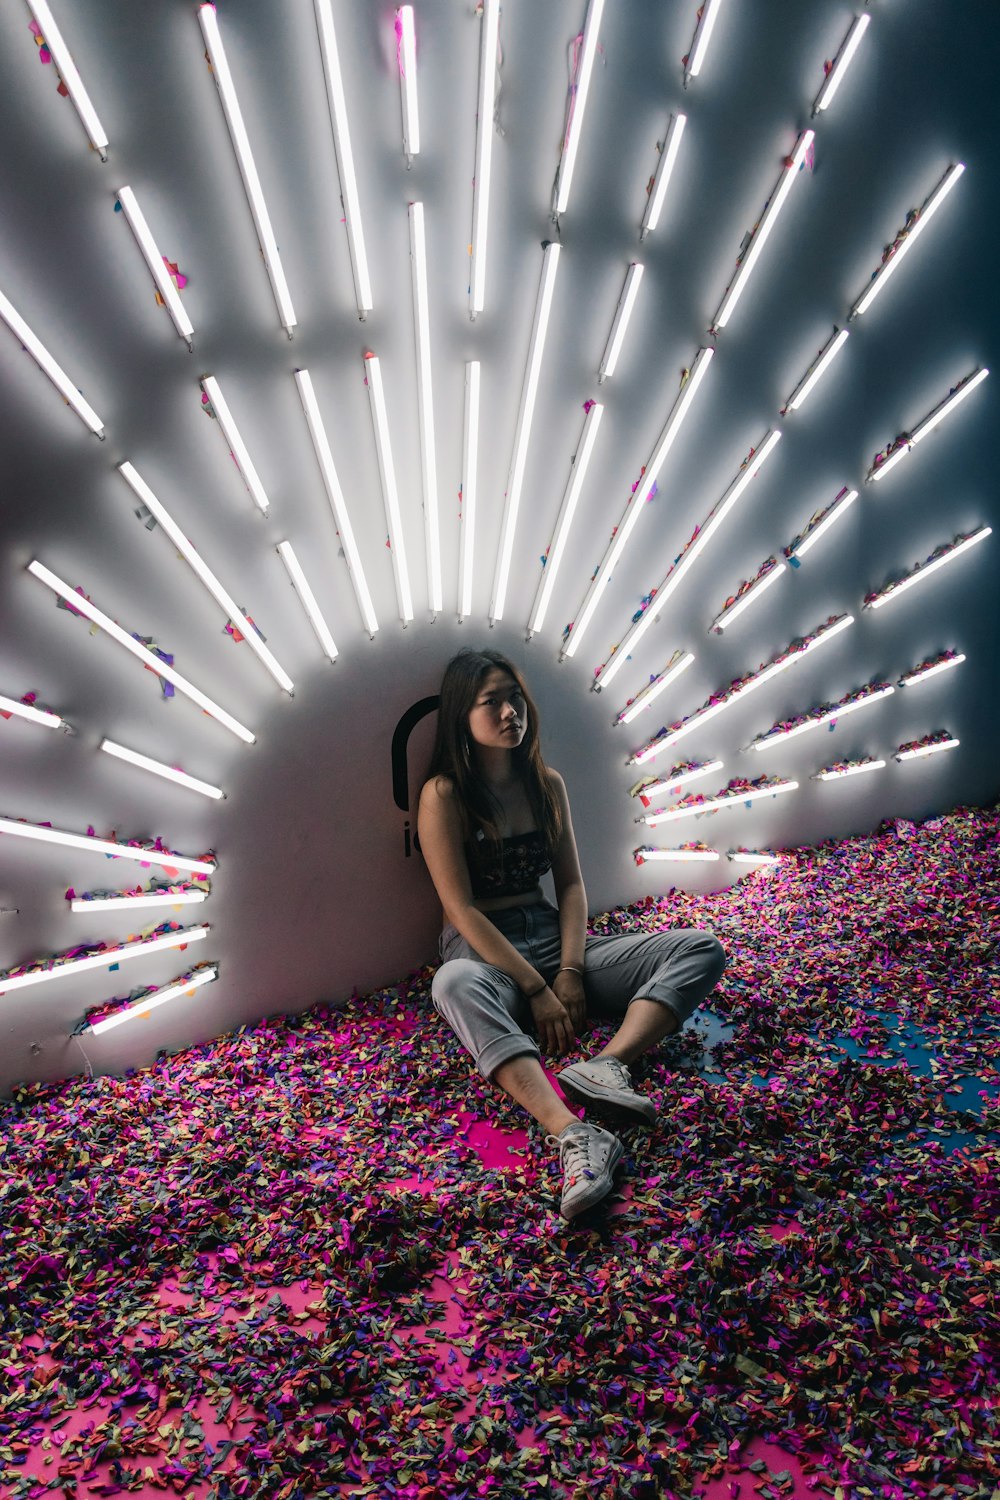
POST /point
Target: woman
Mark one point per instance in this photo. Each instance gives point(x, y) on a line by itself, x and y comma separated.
point(493, 819)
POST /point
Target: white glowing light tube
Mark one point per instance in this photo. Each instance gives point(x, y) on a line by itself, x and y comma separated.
point(153, 257)
point(248, 167)
point(926, 569)
point(626, 302)
point(33, 715)
point(470, 471)
point(488, 60)
point(919, 751)
point(817, 370)
point(46, 835)
point(308, 598)
point(837, 509)
point(671, 814)
point(944, 408)
point(147, 899)
point(335, 495)
point(142, 1007)
point(921, 674)
point(425, 406)
point(221, 596)
point(664, 172)
point(904, 245)
point(574, 485)
point(727, 616)
point(237, 447)
point(680, 569)
point(522, 432)
point(855, 770)
point(160, 668)
point(762, 231)
point(390, 493)
point(754, 857)
point(169, 773)
point(105, 958)
point(70, 76)
point(408, 82)
point(634, 506)
point(758, 680)
point(702, 36)
point(51, 367)
point(579, 89)
point(345, 157)
point(652, 690)
point(841, 63)
point(838, 711)
point(674, 783)
point(691, 855)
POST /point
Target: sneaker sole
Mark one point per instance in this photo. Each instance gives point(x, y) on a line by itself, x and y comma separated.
point(600, 1187)
point(616, 1111)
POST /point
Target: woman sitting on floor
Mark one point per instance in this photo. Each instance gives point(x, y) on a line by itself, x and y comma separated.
point(493, 819)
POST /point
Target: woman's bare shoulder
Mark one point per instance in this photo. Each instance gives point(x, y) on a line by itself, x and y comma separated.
point(438, 793)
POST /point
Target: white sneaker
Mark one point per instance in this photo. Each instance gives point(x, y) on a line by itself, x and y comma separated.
point(606, 1085)
point(588, 1156)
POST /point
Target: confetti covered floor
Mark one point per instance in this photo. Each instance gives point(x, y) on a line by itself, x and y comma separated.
point(321, 1256)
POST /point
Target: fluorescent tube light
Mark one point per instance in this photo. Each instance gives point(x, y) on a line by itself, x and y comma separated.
point(408, 82)
point(522, 432)
point(308, 598)
point(488, 61)
point(674, 783)
point(944, 408)
point(578, 90)
point(707, 18)
point(390, 493)
point(105, 959)
point(932, 748)
point(131, 643)
point(626, 302)
point(838, 711)
point(817, 370)
point(927, 568)
point(732, 799)
point(841, 63)
point(248, 168)
point(224, 599)
point(425, 406)
point(345, 157)
point(51, 367)
point(68, 72)
point(750, 468)
point(691, 855)
point(147, 899)
point(851, 770)
point(142, 1007)
point(834, 512)
point(727, 616)
point(237, 447)
point(33, 715)
point(652, 690)
point(169, 773)
point(664, 171)
point(164, 857)
point(638, 498)
point(153, 257)
point(904, 244)
point(655, 747)
point(335, 495)
point(921, 674)
point(754, 857)
point(470, 473)
point(765, 224)
point(571, 496)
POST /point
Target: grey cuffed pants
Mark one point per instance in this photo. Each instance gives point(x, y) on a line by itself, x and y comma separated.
point(487, 1011)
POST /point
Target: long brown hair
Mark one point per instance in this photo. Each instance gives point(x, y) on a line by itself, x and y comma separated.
point(452, 754)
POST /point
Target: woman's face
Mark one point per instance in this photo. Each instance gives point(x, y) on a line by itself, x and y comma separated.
point(498, 718)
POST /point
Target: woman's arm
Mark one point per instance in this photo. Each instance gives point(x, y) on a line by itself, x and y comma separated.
point(571, 898)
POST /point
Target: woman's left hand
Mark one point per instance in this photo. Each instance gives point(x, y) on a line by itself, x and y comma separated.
point(568, 987)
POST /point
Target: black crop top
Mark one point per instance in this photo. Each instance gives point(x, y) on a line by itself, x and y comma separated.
point(512, 867)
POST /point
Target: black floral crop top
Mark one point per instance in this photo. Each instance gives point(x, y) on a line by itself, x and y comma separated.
point(510, 867)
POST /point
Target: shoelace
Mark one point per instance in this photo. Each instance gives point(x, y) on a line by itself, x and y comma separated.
point(574, 1155)
point(620, 1071)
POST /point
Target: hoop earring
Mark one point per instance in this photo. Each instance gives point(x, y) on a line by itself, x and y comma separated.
point(467, 747)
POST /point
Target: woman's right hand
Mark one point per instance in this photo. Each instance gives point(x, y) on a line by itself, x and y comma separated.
point(552, 1022)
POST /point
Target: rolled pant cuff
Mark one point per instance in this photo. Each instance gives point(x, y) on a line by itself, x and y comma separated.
point(667, 997)
point(502, 1049)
